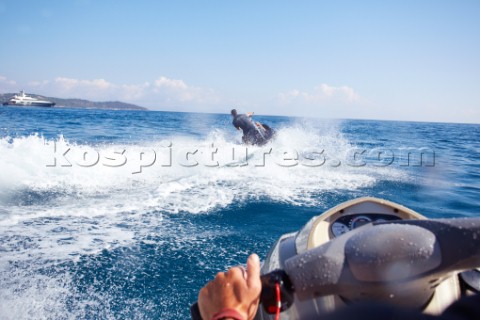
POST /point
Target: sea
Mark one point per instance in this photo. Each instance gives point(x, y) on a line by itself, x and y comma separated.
point(108, 214)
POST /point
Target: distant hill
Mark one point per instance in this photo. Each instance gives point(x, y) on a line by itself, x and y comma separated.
point(79, 103)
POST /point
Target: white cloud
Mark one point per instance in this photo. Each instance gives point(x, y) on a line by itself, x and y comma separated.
point(163, 92)
point(178, 90)
point(323, 93)
point(164, 82)
point(7, 85)
point(323, 101)
point(93, 87)
point(96, 89)
point(132, 92)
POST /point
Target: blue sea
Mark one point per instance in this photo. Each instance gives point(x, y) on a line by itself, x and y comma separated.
point(127, 214)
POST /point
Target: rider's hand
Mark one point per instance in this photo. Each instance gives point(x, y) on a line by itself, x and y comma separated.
point(234, 289)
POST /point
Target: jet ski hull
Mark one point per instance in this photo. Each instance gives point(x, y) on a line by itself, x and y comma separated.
point(259, 137)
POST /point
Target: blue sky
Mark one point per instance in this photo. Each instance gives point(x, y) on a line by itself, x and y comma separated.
point(399, 60)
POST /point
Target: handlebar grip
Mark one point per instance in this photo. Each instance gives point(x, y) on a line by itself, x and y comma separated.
point(195, 312)
point(267, 296)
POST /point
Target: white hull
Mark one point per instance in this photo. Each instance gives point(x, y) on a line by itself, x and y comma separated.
point(38, 104)
point(22, 100)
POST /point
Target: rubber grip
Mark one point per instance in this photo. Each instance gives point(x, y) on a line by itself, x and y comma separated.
point(195, 312)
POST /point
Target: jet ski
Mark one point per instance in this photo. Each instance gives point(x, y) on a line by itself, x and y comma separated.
point(369, 249)
point(261, 136)
point(372, 249)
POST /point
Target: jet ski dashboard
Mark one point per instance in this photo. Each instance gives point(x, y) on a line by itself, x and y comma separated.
point(344, 224)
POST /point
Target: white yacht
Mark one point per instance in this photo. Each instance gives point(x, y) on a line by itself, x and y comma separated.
point(22, 99)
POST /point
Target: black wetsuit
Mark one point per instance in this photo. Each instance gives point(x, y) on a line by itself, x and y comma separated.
point(244, 122)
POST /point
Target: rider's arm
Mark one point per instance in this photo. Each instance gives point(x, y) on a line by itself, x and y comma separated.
point(249, 114)
point(258, 124)
point(233, 294)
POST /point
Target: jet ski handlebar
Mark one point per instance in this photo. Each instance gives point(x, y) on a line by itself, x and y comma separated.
point(400, 261)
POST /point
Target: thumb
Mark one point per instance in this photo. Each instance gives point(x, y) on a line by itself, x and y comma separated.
point(253, 271)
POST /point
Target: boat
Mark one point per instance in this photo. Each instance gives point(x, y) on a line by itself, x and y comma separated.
point(369, 249)
point(26, 101)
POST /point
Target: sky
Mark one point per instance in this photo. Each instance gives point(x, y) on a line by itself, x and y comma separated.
point(393, 60)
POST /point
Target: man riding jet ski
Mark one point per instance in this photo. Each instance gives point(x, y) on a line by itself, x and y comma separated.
point(254, 133)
